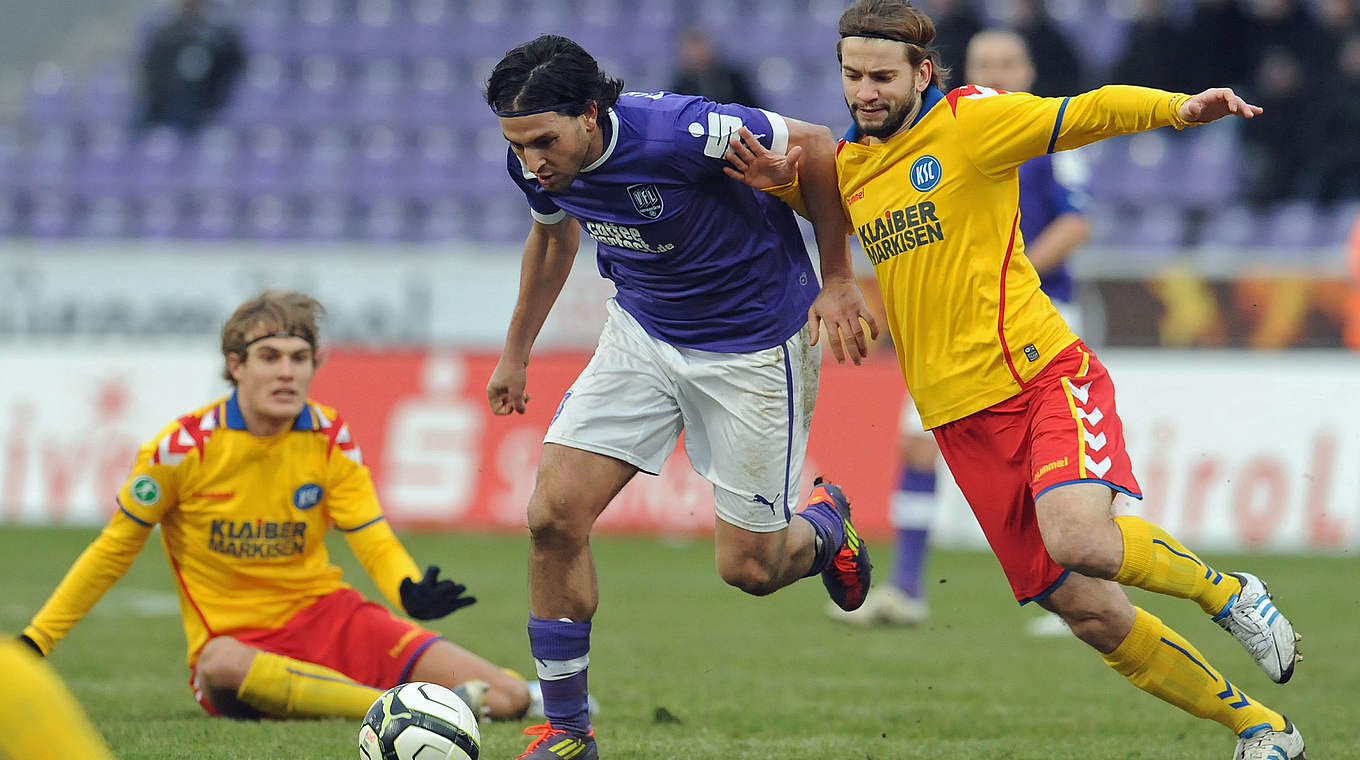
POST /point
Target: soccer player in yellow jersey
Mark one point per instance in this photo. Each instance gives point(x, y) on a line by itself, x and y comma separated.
point(244, 489)
point(1023, 411)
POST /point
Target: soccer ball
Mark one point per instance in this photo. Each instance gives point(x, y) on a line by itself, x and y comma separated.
point(419, 721)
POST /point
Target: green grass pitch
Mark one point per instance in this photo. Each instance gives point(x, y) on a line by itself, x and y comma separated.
point(741, 677)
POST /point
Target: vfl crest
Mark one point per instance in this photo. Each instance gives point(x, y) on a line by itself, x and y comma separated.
point(647, 200)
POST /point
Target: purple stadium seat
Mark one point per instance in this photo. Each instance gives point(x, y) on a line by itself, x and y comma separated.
point(50, 97)
point(1340, 223)
point(268, 165)
point(325, 159)
point(1156, 229)
point(322, 94)
point(269, 216)
point(1233, 226)
point(50, 152)
point(52, 214)
point(317, 27)
point(158, 215)
point(260, 95)
point(443, 217)
point(326, 217)
point(156, 162)
point(212, 216)
point(385, 219)
point(1292, 228)
point(265, 27)
point(1210, 168)
point(210, 159)
point(379, 164)
point(103, 164)
point(104, 216)
point(109, 96)
point(11, 213)
point(378, 93)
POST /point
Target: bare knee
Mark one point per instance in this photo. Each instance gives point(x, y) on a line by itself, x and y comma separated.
point(556, 523)
point(1078, 529)
point(223, 664)
point(1088, 558)
point(749, 574)
point(1097, 611)
point(508, 698)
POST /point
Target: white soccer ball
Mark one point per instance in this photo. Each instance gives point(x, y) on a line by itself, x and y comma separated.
point(419, 721)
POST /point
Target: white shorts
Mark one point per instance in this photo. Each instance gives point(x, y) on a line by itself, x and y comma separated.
point(745, 416)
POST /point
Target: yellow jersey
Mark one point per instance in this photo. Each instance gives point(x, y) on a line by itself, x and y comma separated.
point(936, 209)
point(242, 519)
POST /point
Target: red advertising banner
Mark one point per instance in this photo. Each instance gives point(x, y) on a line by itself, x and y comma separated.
point(441, 459)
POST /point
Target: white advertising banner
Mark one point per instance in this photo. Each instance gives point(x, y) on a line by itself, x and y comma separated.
point(1234, 451)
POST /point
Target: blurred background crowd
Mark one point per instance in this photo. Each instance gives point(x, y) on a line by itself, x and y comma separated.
point(362, 120)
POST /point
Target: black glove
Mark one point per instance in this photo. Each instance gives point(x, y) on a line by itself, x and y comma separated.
point(26, 640)
point(432, 598)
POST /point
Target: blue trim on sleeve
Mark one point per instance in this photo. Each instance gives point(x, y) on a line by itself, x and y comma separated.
point(411, 663)
point(379, 518)
point(1115, 486)
point(133, 517)
point(1057, 125)
point(1051, 588)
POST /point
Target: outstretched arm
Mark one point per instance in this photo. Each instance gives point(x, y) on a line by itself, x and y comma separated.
point(805, 177)
point(549, 253)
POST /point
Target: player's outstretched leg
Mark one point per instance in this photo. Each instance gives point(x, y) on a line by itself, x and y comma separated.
point(1239, 602)
point(842, 558)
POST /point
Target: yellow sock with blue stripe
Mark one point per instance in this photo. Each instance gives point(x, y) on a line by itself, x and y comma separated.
point(1159, 661)
point(1155, 561)
point(288, 688)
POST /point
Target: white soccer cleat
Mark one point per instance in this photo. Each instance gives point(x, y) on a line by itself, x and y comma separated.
point(473, 692)
point(1266, 633)
point(884, 605)
point(1269, 744)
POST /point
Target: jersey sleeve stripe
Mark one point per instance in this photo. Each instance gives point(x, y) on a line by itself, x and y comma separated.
point(548, 218)
point(133, 517)
point(379, 518)
point(779, 132)
point(1057, 125)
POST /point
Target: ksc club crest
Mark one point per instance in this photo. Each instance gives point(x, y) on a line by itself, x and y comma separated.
point(647, 200)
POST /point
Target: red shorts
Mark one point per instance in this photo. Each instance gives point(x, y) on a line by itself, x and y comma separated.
point(1061, 429)
point(346, 633)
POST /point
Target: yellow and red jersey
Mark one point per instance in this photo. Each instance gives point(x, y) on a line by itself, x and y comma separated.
point(936, 209)
point(242, 519)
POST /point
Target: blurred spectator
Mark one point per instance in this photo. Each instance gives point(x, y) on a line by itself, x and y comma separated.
point(1285, 23)
point(702, 72)
point(1221, 26)
point(1336, 156)
point(1278, 152)
point(956, 22)
point(189, 64)
point(1059, 70)
point(1151, 55)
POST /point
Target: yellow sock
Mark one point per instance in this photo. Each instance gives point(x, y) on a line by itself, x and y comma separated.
point(1155, 561)
point(289, 688)
point(38, 716)
point(1157, 660)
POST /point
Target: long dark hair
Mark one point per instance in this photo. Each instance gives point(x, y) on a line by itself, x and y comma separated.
point(550, 73)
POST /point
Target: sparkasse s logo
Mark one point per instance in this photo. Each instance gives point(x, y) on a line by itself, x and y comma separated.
point(720, 129)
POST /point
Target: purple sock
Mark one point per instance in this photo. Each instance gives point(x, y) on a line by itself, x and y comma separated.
point(914, 505)
point(830, 529)
point(911, 558)
point(561, 650)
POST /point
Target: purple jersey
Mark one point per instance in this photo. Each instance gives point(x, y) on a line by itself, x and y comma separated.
point(699, 259)
point(1051, 185)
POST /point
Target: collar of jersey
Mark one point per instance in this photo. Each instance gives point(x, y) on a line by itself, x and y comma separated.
point(929, 99)
point(612, 137)
point(237, 421)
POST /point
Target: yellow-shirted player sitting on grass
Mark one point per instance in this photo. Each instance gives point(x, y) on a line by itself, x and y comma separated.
point(244, 490)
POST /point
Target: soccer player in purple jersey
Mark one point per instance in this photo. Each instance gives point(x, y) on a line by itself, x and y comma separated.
point(713, 331)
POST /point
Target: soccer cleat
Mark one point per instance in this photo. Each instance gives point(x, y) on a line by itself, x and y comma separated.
point(846, 577)
point(1267, 634)
point(474, 694)
point(884, 605)
point(1265, 743)
point(557, 744)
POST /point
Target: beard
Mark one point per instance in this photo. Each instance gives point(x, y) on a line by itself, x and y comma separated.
point(893, 119)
